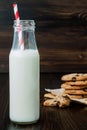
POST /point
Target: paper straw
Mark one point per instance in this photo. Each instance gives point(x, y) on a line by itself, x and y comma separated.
point(16, 13)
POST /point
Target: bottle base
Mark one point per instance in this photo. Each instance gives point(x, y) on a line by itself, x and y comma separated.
point(24, 123)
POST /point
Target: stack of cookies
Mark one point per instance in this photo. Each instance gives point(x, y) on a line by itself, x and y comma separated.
point(75, 85)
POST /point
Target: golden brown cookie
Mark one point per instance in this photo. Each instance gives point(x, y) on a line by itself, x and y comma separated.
point(60, 101)
point(50, 102)
point(74, 77)
point(77, 96)
point(77, 83)
point(63, 102)
point(49, 95)
point(71, 87)
point(78, 92)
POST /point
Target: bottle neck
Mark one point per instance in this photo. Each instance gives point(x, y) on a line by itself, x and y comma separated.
point(24, 36)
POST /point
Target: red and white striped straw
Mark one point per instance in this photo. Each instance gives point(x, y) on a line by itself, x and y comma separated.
point(16, 13)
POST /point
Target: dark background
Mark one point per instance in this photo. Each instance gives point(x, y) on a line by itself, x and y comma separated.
point(61, 32)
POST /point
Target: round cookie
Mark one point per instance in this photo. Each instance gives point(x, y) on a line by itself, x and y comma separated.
point(77, 83)
point(71, 87)
point(49, 95)
point(77, 96)
point(74, 77)
point(77, 92)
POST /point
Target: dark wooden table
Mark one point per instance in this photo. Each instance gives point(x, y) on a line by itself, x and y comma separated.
point(51, 118)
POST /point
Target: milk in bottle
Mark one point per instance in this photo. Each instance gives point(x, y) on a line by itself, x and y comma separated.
point(24, 69)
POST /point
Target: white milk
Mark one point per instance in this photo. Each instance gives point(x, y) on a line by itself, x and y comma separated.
point(24, 85)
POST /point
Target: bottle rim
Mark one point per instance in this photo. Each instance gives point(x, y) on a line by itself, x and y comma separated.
point(24, 23)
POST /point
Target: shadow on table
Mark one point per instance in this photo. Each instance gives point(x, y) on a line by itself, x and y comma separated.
point(12, 126)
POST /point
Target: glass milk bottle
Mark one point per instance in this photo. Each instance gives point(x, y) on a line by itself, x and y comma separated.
point(24, 72)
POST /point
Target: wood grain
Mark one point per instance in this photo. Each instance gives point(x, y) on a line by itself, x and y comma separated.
point(51, 118)
point(61, 32)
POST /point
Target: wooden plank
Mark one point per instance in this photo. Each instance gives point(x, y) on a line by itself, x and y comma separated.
point(61, 32)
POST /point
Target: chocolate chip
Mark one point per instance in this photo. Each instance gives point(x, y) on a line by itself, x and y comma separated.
point(84, 96)
point(85, 89)
point(77, 74)
point(73, 79)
